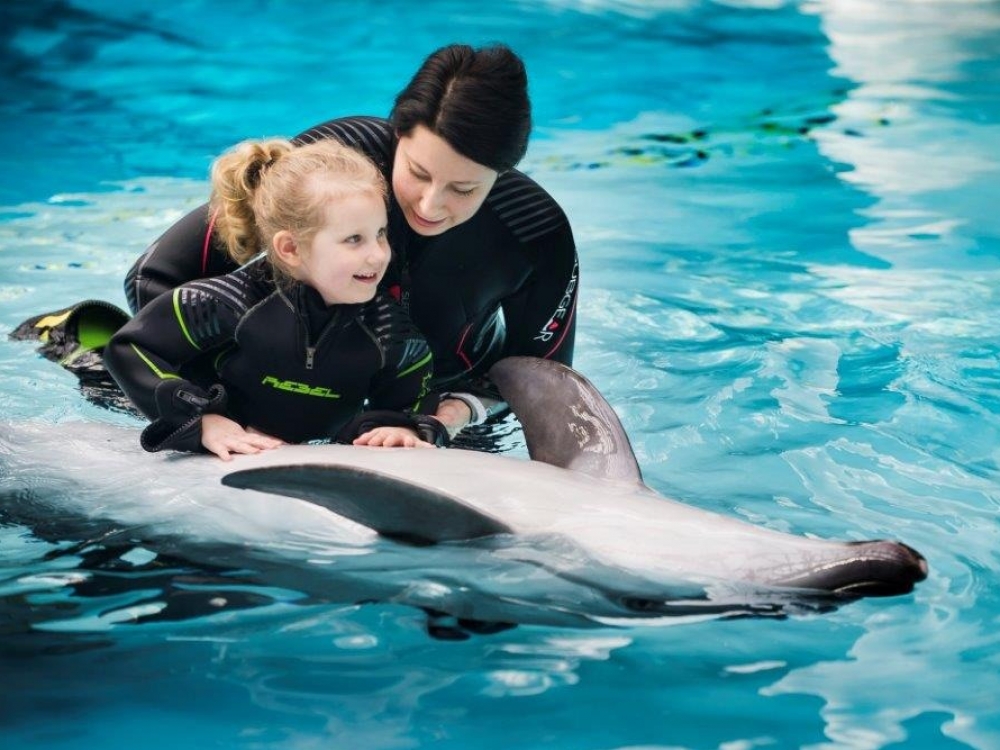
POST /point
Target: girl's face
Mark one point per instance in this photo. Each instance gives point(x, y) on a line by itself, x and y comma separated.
point(437, 187)
point(348, 257)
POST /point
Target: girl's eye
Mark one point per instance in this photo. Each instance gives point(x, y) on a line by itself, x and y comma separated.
point(354, 239)
point(382, 233)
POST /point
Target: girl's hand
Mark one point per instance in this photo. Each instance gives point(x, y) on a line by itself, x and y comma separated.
point(222, 436)
point(391, 437)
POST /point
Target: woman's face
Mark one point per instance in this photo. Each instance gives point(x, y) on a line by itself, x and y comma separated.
point(437, 187)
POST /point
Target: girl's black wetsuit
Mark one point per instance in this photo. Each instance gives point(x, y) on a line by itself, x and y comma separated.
point(270, 356)
point(503, 283)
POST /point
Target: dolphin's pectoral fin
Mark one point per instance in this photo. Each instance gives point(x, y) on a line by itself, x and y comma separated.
point(394, 508)
point(879, 568)
point(566, 421)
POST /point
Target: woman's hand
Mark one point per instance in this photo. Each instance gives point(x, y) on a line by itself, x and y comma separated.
point(223, 437)
point(453, 414)
point(391, 437)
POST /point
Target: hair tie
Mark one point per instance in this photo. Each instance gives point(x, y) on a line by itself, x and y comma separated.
point(256, 171)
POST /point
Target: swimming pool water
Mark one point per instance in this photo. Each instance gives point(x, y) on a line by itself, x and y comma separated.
point(790, 252)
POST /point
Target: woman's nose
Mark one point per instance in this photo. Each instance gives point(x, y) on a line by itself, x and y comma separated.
point(430, 203)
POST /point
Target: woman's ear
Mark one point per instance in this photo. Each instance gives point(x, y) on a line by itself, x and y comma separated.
point(286, 249)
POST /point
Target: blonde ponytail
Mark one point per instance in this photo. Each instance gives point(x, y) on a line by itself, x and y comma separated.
point(236, 178)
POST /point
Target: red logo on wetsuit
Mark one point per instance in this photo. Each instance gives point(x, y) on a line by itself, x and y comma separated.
point(396, 292)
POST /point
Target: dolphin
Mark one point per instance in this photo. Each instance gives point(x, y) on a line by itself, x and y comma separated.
point(570, 536)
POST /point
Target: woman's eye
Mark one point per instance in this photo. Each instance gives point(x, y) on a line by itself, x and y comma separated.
point(470, 191)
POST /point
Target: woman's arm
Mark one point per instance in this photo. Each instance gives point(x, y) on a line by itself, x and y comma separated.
point(185, 252)
point(541, 315)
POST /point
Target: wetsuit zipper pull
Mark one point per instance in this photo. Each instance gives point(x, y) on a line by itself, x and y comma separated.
point(310, 356)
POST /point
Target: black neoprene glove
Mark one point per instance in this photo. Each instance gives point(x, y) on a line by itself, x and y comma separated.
point(180, 406)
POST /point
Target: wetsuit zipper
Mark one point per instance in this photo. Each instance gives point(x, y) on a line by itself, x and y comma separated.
point(310, 348)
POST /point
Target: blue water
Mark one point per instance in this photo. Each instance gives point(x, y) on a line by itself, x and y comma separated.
point(788, 229)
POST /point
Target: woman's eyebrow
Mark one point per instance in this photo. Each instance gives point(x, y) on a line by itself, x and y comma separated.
point(414, 164)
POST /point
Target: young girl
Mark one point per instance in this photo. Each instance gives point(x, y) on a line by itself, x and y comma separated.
point(292, 345)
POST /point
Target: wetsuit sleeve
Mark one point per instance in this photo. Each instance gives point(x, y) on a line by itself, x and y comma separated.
point(541, 315)
point(402, 382)
point(146, 355)
point(185, 252)
point(399, 396)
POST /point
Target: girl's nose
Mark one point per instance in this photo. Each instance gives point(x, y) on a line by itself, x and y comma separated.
point(378, 250)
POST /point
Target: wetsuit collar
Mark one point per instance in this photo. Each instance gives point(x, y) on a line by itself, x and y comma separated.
point(314, 311)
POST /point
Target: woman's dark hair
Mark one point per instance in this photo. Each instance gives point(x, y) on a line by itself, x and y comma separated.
point(477, 100)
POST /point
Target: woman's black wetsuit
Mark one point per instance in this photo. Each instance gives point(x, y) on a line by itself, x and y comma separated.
point(502, 283)
point(287, 364)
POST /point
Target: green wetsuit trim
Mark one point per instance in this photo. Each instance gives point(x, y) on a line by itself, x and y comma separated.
point(415, 366)
point(159, 373)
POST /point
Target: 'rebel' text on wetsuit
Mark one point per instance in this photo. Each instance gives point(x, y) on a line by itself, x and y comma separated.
point(270, 355)
point(502, 283)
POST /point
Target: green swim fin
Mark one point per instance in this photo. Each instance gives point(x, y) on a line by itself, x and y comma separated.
point(74, 336)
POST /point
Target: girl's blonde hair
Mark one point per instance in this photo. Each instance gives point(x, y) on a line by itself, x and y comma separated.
point(261, 187)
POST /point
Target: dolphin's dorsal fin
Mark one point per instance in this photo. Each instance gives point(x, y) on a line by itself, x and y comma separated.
point(393, 507)
point(566, 421)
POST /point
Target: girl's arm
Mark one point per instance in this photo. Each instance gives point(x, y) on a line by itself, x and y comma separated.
point(224, 436)
point(402, 385)
point(146, 356)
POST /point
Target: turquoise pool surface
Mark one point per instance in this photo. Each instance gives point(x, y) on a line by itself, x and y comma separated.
point(787, 217)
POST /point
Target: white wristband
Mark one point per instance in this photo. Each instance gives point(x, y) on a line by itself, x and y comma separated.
point(478, 409)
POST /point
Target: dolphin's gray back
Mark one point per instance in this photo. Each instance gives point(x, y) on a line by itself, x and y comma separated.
point(566, 421)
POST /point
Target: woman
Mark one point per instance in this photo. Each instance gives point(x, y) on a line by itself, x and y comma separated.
point(297, 341)
point(484, 259)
